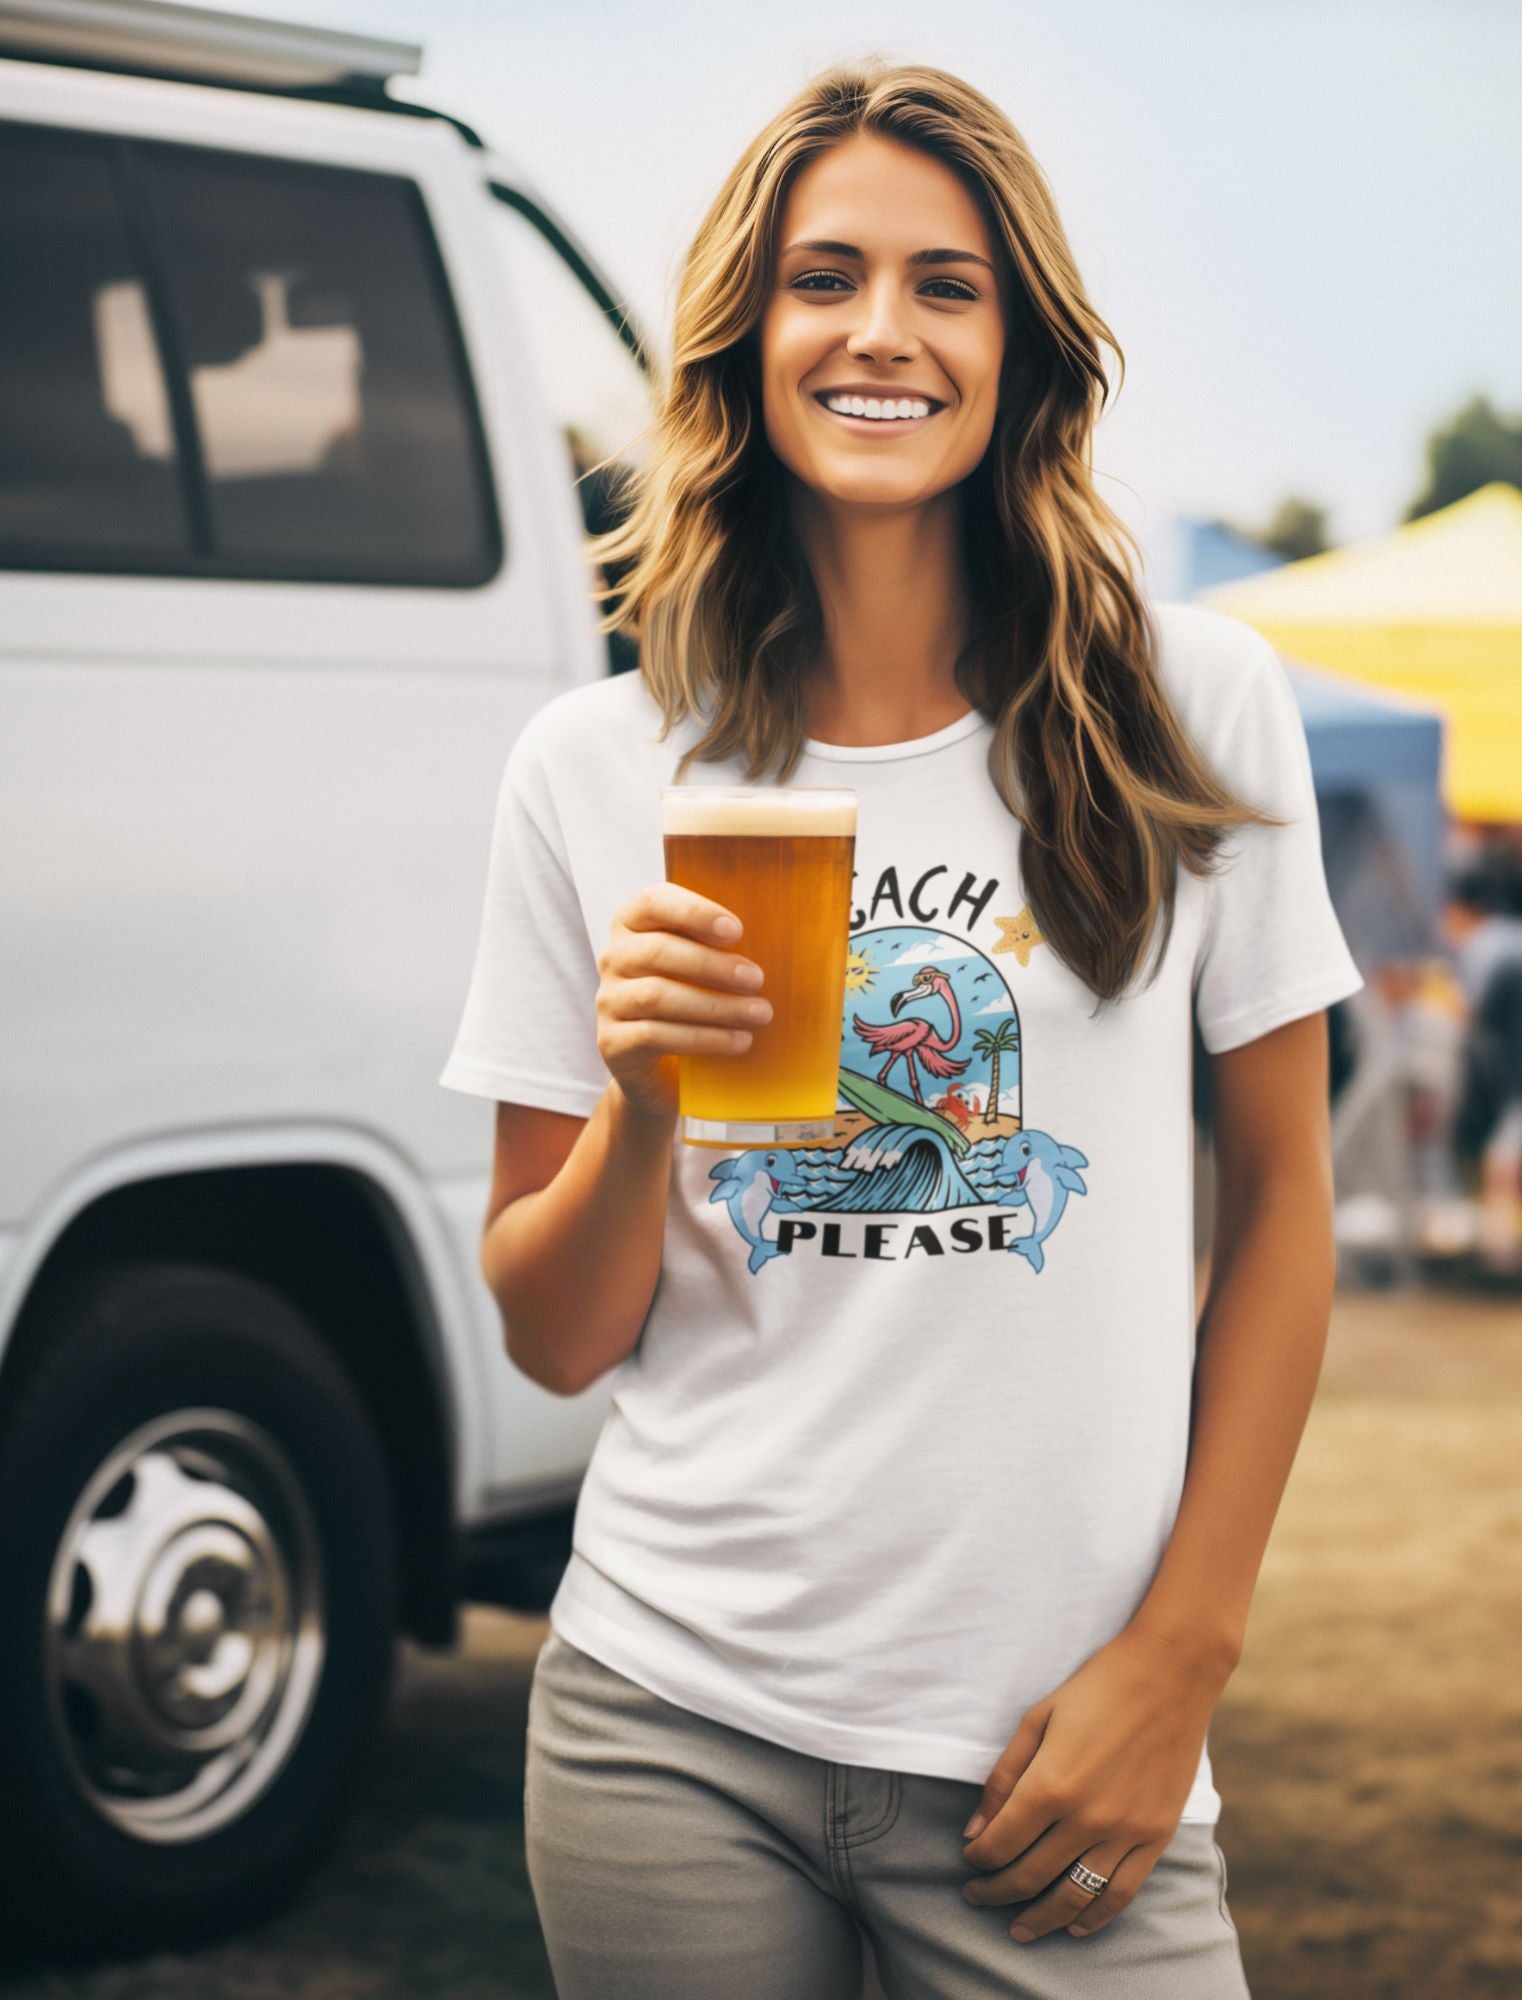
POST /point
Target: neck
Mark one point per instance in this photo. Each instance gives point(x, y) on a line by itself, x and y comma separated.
point(895, 604)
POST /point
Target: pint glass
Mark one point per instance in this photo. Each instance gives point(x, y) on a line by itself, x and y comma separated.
point(782, 861)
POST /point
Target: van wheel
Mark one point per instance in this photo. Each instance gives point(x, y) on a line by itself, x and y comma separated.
point(197, 1571)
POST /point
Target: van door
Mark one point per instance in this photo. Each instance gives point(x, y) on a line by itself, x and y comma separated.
point(284, 566)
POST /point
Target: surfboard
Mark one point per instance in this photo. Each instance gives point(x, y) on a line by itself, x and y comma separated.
point(885, 1106)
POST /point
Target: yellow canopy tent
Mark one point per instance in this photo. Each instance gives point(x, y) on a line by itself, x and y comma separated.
point(1432, 611)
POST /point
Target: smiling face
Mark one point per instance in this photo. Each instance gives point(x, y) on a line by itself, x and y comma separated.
point(863, 317)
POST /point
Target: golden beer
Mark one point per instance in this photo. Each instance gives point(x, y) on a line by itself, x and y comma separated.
point(782, 861)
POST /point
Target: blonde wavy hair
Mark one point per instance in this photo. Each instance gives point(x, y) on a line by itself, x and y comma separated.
point(712, 584)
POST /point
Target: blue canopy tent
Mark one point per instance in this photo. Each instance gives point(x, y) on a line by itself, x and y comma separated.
point(1376, 761)
point(1209, 553)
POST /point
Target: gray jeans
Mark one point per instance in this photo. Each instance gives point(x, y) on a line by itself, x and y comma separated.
point(676, 1858)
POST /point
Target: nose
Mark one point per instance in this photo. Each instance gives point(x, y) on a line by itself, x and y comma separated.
point(880, 330)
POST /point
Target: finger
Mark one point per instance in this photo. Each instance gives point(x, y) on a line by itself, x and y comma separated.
point(1035, 1868)
point(654, 998)
point(1001, 1781)
point(1065, 1902)
point(671, 1038)
point(1124, 1883)
point(1061, 1901)
point(631, 954)
point(663, 906)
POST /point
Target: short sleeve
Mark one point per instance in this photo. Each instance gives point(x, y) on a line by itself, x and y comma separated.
point(528, 1033)
point(1271, 947)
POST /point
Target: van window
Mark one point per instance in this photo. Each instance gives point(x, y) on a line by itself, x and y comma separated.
point(590, 378)
point(88, 472)
point(338, 435)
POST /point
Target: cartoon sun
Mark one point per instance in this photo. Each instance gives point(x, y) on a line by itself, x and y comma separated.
point(860, 972)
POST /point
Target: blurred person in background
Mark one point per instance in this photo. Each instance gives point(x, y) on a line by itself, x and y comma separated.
point(1484, 926)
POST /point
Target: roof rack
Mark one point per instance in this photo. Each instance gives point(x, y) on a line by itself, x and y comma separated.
point(203, 45)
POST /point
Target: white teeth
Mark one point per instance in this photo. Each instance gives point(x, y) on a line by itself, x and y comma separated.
point(882, 409)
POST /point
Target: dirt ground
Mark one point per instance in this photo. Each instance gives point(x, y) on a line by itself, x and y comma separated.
point(1368, 1750)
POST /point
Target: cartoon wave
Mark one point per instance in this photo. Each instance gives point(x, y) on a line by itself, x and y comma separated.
point(983, 1165)
point(889, 1167)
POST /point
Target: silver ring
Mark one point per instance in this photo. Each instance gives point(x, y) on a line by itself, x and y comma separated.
point(1087, 1879)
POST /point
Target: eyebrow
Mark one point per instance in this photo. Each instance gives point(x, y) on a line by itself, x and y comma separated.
point(919, 256)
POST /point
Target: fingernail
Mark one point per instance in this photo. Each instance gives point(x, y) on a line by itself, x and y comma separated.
point(1077, 1930)
point(974, 1826)
point(1019, 1931)
point(727, 926)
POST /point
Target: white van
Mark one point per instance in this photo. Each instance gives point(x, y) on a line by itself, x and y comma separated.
point(296, 380)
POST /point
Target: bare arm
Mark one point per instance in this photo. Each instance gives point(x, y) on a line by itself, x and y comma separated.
point(571, 1248)
point(1262, 1334)
point(573, 1262)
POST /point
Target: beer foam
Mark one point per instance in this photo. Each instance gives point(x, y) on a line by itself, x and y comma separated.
point(710, 809)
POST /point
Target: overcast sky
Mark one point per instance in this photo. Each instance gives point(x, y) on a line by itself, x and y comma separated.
point(1300, 217)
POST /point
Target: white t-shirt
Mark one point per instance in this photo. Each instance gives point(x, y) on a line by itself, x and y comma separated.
point(872, 1492)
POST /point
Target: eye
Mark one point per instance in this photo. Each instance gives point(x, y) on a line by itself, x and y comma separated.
point(802, 283)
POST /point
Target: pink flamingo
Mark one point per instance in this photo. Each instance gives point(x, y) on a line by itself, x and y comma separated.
point(916, 1039)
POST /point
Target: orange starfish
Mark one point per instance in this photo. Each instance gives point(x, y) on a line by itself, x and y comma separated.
point(1020, 935)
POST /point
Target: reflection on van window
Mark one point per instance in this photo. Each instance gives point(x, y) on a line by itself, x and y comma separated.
point(131, 380)
point(286, 404)
point(330, 398)
point(87, 471)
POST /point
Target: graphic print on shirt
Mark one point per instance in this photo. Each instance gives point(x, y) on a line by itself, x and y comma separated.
point(930, 1116)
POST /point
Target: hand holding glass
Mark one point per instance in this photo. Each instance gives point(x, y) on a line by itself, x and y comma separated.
point(671, 987)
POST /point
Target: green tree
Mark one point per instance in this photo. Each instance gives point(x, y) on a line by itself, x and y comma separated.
point(993, 1042)
point(1469, 451)
point(1297, 528)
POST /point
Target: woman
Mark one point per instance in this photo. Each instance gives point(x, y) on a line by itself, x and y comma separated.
point(891, 1608)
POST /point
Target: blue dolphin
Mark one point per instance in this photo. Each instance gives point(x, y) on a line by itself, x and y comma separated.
point(1040, 1173)
point(757, 1183)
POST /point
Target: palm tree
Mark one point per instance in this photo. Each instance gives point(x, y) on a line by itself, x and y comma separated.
point(992, 1042)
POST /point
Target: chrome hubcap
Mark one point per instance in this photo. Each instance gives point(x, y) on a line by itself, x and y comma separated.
point(184, 1638)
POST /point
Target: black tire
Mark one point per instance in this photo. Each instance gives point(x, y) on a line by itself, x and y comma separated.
point(229, 1569)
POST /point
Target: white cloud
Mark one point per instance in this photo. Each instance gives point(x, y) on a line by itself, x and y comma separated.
point(932, 951)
